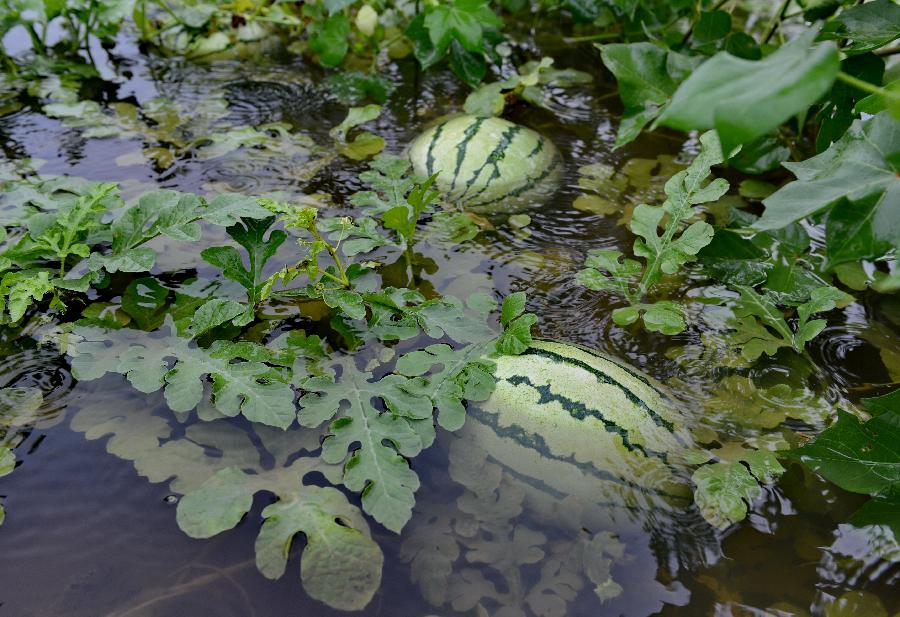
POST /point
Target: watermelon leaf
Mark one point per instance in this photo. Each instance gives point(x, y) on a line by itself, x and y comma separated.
point(517, 324)
point(242, 382)
point(725, 490)
point(663, 254)
point(465, 375)
point(377, 468)
point(759, 325)
point(249, 233)
point(365, 144)
point(218, 467)
point(531, 82)
point(390, 178)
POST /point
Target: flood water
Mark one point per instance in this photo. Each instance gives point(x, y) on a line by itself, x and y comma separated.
point(89, 535)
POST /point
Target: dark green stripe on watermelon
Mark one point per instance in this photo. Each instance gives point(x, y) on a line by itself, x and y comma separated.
point(529, 184)
point(494, 157)
point(462, 146)
point(606, 379)
point(580, 411)
point(434, 139)
point(538, 148)
point(535, 442)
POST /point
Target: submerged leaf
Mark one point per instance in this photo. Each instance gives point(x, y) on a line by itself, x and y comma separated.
point(219, 467)
point(19, 406)
point(341, 564)
point(7, 461)
point(240, 385)
point(724, 491)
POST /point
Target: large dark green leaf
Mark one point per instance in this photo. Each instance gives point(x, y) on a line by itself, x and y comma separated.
point(712, 26)
point(866, 26)
point(648, 75)
point(838, 112)
point(859, 457)
point(879, 404)
point(733, 259)
point(744, 100)
point(858, 171)
point(463, 21)
point(761, 155)
point(469, 66)
point(849, 233)
point(881, 510)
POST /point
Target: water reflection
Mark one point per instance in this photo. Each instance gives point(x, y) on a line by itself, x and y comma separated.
point(510, 545)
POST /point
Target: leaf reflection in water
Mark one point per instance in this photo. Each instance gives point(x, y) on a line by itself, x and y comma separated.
point(482, 554)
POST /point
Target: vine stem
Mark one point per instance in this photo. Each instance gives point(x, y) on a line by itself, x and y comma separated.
point(887, 51)
point(591, 37)
point(776, 20)
point(344, 281)
point(866, 86)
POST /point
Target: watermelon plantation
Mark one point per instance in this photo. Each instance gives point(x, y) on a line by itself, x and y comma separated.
point(485, 308)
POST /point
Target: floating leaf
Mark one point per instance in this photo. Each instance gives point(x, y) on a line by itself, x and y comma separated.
point(464, 375)
point(377, 469)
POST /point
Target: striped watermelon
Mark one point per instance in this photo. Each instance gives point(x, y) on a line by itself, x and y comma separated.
point(487, 164)
point(568, 422)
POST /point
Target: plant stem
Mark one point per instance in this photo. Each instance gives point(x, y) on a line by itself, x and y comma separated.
point(591, 37)
point(343, 280)
point(36, 41)
point(776, 20)
point(866, 86)
point(884, 51)
point(172, 14)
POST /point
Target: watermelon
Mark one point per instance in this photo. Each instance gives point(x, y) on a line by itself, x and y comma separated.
point(568, 422)
point(487, 164)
